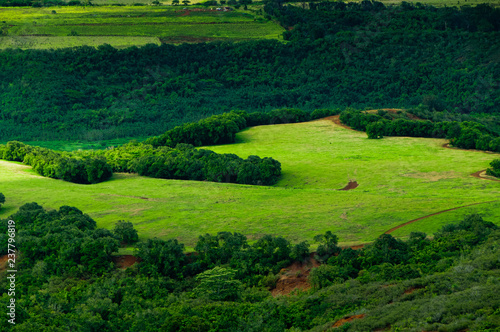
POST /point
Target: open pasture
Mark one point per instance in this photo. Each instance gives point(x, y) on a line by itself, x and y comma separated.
point(31, 27)
point(400, 179)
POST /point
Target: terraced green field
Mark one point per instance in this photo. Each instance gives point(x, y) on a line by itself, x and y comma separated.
point(57, 27)
point(400, 179)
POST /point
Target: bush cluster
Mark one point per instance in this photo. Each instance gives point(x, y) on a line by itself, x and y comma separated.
point(72, 167)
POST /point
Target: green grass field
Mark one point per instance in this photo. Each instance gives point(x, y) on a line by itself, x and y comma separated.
point(58, 27)
point(45, 42)
point(400, 179)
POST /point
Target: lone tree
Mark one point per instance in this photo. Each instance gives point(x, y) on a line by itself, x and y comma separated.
point(2, 199)
point(125, 232)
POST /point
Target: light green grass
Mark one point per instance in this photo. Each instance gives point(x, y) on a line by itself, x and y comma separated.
point(45, 42)
point(229, 31)
point(400, 179)
point(93, 26)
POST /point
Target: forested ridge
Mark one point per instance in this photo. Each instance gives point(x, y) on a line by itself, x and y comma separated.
point(67, 280)
point(361, 56)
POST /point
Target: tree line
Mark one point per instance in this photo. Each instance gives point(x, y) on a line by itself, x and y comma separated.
point(83, 168)
point(465, 134)
point(170, 156)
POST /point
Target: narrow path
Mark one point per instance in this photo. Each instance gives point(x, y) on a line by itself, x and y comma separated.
point(430, 215)
point(478, 175)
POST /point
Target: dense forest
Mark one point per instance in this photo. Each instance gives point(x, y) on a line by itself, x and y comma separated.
point(68, 281)
point(356, 55)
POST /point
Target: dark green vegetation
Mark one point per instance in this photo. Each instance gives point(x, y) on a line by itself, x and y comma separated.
point(373, 57)
point(465, 134)
point(184, 162)
point(67, 280)
point(495, 168)
point(169, 156)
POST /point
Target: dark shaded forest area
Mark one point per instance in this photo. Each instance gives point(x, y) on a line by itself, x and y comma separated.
point(364, 55)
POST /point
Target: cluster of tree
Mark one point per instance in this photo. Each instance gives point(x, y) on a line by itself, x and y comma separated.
point(73, 167)
point(169, 156)
point(66, 279)
point(100, 93)
point(428, 111)
point(2, 199)
point(466, 134)
point(217, 129)
point(184, 162)
point(221, 129)
point(493, 171)
point(60, 242)
point(327, 19)
point(392, 259)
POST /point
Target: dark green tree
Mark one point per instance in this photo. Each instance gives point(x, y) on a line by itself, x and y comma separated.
point(125, 232)
point(218, 284)
point(327, 247)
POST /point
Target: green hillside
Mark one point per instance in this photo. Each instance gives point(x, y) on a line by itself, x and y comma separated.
point(125, 26)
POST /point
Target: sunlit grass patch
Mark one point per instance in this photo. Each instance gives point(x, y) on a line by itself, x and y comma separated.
point(400, 179)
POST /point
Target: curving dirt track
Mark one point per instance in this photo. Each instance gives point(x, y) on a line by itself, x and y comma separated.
point(433, 214)
point(478, 175)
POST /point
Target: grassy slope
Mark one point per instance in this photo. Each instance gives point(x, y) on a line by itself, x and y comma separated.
point(41, 28)
point(400, 179)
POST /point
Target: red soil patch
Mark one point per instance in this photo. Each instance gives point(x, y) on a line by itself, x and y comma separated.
point(412, 289)
point(430, 215)
point(348, 319)
point(186, 13)
point(336, 119)
point(3, 262)
point(295, 277)
point(350, 185)
point(124, 261)
point(478, 175)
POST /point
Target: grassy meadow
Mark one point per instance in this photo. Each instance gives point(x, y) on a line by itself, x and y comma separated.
point(400, 179)
point(123, 26)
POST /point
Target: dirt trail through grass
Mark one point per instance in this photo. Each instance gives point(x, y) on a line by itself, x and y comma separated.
point(430, 215)
point(478, 175)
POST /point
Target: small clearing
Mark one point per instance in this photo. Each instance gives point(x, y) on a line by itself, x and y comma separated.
point(124, 261)
point(295, 277)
